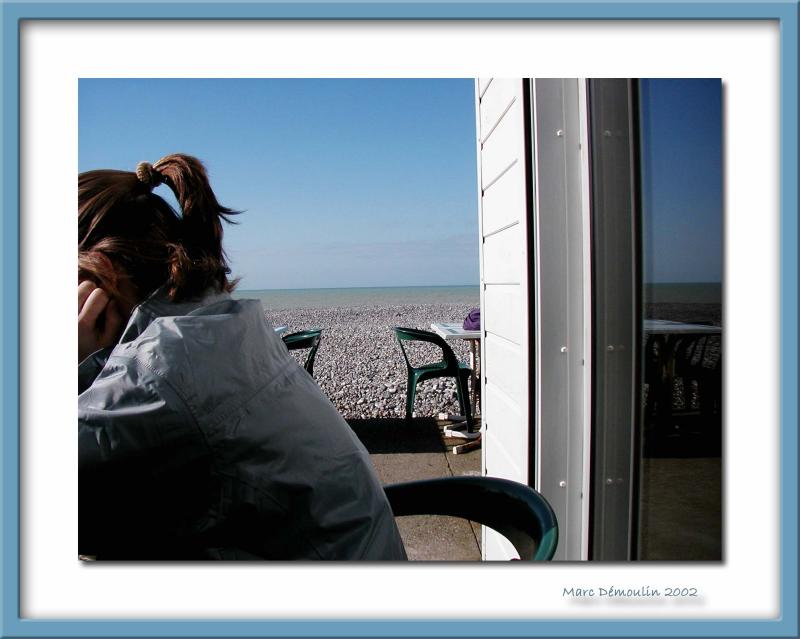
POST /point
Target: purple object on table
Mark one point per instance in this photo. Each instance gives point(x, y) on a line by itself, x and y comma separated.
point(473, 321)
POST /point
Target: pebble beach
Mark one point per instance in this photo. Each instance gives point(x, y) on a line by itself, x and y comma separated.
point(359, 364)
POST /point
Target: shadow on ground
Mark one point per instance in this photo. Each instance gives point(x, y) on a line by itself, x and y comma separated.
point(389, 436)
point(406, 451)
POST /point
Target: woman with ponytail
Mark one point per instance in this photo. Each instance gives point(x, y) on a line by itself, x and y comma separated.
point(199, 437)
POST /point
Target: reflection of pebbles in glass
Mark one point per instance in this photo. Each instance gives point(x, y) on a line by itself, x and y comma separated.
point(690, 313)
point(701, 354)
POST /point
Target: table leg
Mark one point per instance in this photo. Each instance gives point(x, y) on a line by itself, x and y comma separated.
point(475, 377)
point(475, 365)
point(455, 429)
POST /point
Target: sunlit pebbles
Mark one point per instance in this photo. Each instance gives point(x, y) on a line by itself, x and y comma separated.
point(359, 364)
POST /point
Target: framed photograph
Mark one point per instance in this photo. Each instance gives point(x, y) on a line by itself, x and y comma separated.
point(603, 200)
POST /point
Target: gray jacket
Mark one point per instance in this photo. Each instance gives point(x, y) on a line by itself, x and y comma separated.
point(200, 437)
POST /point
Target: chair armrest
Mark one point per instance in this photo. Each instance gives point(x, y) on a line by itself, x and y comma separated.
point(516, 511)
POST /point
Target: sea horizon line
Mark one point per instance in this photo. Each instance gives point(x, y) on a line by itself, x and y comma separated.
point(333, 288)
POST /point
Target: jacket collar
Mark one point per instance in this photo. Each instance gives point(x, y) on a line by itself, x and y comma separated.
point(158, 305)
point(155, 306)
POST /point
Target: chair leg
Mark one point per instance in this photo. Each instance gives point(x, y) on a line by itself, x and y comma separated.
point(462, 390)
point(411, 392)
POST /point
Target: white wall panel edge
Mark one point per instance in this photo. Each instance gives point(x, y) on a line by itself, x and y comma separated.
point(481, 86)
point(583, 99)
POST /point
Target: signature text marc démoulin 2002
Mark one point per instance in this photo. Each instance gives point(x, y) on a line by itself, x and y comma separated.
point(642, 591)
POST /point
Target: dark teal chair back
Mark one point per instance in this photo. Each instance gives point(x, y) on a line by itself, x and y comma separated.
point(516, 511)
point(305, 339)
point(448, 366)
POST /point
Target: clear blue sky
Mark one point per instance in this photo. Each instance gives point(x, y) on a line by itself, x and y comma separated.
point(373, 182)
point(343, 182)
point(682, 179)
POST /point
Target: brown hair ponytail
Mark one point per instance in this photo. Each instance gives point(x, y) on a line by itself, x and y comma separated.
point(125, 230)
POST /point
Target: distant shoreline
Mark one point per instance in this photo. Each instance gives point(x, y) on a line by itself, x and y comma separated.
point(356, 288)
point(462, 295)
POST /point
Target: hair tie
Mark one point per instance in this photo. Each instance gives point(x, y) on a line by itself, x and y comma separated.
point(148, 176)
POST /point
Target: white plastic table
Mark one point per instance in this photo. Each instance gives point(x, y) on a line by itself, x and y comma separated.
point(666, 327)
point(453, 330)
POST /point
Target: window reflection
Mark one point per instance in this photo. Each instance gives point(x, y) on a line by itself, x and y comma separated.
point(680, 467)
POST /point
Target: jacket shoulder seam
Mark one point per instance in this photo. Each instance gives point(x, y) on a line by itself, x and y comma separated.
point(274, 379)
point(183, 400)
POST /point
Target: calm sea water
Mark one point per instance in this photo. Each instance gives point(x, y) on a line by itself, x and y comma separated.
point(328, 297)
point(692, 293)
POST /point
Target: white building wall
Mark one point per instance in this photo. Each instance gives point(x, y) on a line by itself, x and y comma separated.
point(535, 296)
point(562, 370)
point(505, 354)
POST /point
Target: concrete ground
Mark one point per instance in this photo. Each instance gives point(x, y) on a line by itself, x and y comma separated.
point(404, 451)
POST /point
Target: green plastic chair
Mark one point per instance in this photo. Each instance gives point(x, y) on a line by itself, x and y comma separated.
point(448, 367)
point(516, 511)
point(305, 339)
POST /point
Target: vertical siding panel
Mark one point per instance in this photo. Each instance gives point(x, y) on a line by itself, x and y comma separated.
point(561, 369)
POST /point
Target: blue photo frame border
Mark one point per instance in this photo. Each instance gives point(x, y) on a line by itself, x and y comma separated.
point(783, 11)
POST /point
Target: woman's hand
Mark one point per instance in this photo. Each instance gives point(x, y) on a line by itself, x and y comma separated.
point(99, 319)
